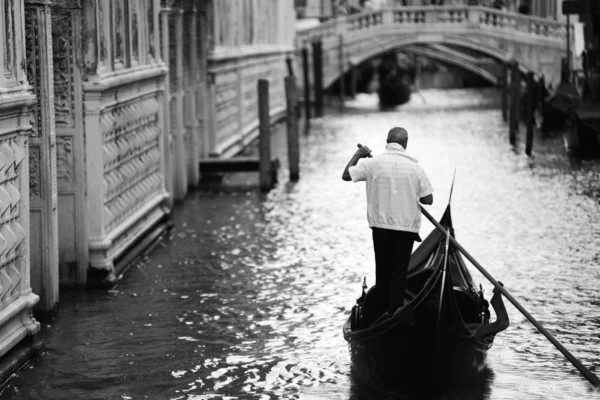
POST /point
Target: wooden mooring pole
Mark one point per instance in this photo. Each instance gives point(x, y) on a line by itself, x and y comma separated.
point(306, 76)
point(531, 91)
point(264, 145)
point(292, 128)
point(515, 93)
point(290, 65)
point(505, 90)
point(342, 75)
point(541, 96)
point(317, 48)
point(353, 78)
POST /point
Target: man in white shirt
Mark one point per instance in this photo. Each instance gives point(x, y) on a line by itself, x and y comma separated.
point(396, 184)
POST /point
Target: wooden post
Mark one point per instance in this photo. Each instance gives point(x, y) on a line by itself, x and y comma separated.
point(530, 110)
point(342, 75)
point(541, 89)
point(292, 128)
point(266, 178)
point(515, 92)
point(318, 77)
point(353, 78)
point(290, 66)
point(505, 90)
point(306, 75)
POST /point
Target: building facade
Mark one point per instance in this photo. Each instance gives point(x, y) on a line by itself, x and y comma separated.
point(17, 111)
point(106, 108)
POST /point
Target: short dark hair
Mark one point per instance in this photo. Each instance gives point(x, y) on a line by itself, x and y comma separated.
point(397, 135)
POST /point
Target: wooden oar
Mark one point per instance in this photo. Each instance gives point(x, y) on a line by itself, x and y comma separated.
point(587, 373)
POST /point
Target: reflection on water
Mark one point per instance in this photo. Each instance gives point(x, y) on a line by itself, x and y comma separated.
point(247, 296)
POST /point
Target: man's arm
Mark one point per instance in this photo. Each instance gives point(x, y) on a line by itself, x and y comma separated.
point(427, 200)
point(360, 153)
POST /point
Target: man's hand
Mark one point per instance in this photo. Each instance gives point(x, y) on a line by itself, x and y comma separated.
point(363, 152)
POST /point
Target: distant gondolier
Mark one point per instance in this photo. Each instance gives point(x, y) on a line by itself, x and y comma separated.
point(396, 183)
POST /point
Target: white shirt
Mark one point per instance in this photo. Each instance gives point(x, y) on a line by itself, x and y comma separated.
point(395, 183)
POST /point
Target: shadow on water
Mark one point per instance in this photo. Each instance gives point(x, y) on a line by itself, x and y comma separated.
point(478, 388)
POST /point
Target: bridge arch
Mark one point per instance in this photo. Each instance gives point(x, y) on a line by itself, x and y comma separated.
point(404, 41)
point(537, 44)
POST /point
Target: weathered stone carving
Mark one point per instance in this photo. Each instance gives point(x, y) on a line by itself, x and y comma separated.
point(131, 132)
point(65, 168)
point(9, 31)
point(32, 53)
point(52, 150)
point(152, 30)
point(103, 60)
point(172, 54)
point(135, 37)
point(35, 187)
point(12, 233)
point(118, 30)
point(63, 53)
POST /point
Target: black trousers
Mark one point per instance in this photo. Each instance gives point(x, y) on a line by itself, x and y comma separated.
point(392, 256)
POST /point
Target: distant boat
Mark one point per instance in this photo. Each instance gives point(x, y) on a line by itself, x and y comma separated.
point(422, 342)
point(393, 92)
point(394, 86)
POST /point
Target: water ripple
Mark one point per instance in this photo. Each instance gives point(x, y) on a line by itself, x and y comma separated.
point(247, 295)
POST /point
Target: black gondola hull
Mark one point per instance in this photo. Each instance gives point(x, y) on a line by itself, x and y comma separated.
point(406, 354)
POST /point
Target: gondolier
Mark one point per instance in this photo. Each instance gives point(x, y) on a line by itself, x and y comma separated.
point(395, 184)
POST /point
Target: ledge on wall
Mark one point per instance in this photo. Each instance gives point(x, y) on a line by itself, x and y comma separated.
point(106, 279)
point(236, 144)
point(18, 358)
point(224, 53)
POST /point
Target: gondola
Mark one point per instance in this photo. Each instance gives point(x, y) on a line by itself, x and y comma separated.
point(394, 87)
point(421, 341)
point(393, 92)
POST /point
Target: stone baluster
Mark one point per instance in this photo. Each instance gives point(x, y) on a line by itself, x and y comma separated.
point(42, 153)
point(474, 15)
point(387, 18)
point(341, 26)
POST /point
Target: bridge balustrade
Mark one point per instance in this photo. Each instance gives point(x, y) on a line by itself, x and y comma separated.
point(537, 44)
point(412, 17)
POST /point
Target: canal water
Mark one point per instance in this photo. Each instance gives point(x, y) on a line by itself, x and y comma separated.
point(246, 297)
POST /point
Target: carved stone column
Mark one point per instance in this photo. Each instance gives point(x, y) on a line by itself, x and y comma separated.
point(201, 76)
point(70, 170)
point(180, 184)
point(168, 135)
point(42, 156)
point(191, 118)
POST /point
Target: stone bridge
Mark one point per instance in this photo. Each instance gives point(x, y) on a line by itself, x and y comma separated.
point(537, 44)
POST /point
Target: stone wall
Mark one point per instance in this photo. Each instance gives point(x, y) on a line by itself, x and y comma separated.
point(106, 108)
point(123, 97)
point(16, 104)
point(255, 48)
